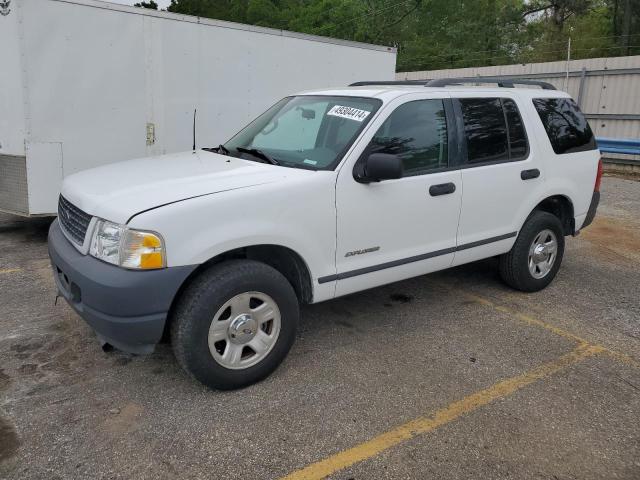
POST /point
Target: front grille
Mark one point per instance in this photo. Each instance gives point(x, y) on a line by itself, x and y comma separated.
point(73, 220)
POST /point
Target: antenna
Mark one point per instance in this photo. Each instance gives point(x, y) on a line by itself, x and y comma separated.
point(194, 129)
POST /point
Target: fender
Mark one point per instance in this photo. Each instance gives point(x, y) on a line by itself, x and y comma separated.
point(199, 229)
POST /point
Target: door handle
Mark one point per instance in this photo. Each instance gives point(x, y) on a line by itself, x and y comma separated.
point(529, 174)
point(442, 189)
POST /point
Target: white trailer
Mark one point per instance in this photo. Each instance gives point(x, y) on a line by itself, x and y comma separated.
point(85, 83)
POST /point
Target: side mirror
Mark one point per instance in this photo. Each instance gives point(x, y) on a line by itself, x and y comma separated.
point(377, 167)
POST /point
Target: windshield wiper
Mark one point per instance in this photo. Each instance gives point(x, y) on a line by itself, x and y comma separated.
point(259, 154)
point(221, 149)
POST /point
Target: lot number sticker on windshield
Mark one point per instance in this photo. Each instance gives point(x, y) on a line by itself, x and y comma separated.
point(348, 112)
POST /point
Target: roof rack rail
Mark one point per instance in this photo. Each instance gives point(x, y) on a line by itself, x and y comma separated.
point(444, 82)
point(501, 81)
point(390, 82)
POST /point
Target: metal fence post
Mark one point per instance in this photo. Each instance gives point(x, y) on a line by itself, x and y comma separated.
point(583, 75)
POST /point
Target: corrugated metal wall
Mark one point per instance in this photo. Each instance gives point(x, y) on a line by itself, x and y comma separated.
point(607, 89)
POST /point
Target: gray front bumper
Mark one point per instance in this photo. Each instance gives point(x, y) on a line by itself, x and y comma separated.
point(127, 309)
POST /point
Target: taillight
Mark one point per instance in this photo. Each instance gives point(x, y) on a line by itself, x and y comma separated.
point(596, 188)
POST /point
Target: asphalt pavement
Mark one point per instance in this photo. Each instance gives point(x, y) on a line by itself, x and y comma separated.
point(447, 376)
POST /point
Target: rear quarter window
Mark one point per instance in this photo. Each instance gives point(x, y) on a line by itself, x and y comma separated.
point(566, 126)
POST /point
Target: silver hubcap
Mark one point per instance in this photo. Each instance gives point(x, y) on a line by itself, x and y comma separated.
point(244, 330)
point(543, 253)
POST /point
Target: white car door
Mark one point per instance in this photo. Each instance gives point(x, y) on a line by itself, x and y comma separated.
point(400, 228)
point(502, 176)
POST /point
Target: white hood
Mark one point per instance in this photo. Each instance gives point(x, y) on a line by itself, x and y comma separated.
point(118, 191)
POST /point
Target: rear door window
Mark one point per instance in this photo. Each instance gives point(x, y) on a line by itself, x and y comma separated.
point(485, 129)
point(566, 126)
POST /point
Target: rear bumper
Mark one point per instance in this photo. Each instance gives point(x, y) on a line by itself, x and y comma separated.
point(127, 309)
point(591, 213)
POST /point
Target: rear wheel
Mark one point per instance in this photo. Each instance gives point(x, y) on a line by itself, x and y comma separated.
point(234, 324)
point(534, 260)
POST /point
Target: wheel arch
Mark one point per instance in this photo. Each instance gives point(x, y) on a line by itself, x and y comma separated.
point(562, 207)
point(287, 261)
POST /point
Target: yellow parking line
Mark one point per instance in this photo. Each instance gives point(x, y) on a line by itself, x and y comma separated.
point(423, 425)
point(552, 328)
point(525, 318)
point(623, 357)
point(9, 270)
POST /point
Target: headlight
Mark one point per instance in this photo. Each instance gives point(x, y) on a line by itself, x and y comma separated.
point(127, 247)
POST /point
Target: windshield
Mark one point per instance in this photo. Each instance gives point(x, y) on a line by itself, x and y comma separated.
point(304, 132)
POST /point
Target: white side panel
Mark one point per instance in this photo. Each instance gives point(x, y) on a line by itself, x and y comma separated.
point(44, 174)
point(85, 70)
point(12, 114)
point(97, 74)
point(231, 76)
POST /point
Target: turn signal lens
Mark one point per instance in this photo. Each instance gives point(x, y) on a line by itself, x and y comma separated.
point(142, 250)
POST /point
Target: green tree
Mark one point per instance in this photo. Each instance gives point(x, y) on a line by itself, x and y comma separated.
point(150, 5)
point(431, 34)
point(625, 24)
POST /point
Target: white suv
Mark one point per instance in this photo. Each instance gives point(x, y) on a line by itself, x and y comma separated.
point(327, 193)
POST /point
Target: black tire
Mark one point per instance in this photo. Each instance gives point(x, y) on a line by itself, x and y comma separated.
point(201, 300)
point(514, 268)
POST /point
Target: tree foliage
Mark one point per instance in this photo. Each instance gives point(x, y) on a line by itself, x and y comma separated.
point(151, 5)
point(431, 34)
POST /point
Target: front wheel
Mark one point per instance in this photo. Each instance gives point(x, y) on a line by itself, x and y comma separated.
point(234, 324)
point(534, 260)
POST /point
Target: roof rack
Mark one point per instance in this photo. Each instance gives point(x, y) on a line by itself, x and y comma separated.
point(501, 81)
point(391, 82)
point(443, 82)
